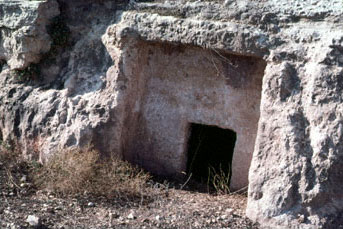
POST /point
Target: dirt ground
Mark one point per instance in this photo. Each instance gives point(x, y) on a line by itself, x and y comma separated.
point(167, 207)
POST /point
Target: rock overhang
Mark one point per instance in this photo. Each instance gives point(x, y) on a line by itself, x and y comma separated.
point(230, 37)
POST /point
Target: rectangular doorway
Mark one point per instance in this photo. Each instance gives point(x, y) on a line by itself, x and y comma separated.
point(210, 152)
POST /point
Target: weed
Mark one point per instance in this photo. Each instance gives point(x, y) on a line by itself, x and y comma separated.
point(219, 180)
point(82, 170)
point(31, 73)
point(74, 172)
point(13, 166)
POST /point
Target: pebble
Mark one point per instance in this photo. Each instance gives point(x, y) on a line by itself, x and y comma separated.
point(229, 211)
point(33, 220)
point(7, 211)
point(23, 179)
point(91, 204)
point(13, 226)
point(58, 208)
point(23, 185)
point(131, 216)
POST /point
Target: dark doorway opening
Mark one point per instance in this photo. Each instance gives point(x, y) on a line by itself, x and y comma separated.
point(210, 151)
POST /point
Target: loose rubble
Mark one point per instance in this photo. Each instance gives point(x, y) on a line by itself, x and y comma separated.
point(172, 208)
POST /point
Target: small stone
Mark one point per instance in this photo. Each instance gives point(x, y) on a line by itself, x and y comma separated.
point(157, 217)
point(33, 220)
point(23, 185)
point(110, 218)
point(301, 218)
point(229, 211)
point(7, 212)
point(131, 216)
point(91, 204)
point(58, 208)
point(223, 217)
point(23, 179)
point(13, 226)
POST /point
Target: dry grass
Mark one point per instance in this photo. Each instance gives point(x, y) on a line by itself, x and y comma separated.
point(74, 172)
point(82, 171)
point(13, 166)
point(219, 180)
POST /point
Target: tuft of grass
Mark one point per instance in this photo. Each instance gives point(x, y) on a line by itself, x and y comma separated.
point(219, 180)
point(83, 171)
point(14, 168)
point(75, 172)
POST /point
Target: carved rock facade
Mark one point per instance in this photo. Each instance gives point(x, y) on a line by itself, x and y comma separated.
point(130, 82)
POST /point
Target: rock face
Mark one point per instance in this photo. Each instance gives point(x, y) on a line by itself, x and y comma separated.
point(23, 31)
point(66, 105)
point(132, 82)
point(181, 85)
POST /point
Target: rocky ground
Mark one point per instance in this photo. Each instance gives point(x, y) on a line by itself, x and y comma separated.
point(22, 206)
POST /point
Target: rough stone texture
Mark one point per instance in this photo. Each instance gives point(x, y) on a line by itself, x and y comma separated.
point(70, 104)
point(23, 36)
point(295, 178)
point(180, 85)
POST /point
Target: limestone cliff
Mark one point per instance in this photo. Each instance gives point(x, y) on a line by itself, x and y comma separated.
point(129, 79)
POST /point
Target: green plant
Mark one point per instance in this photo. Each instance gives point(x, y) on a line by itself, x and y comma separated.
point(219, 180)
point(32, 72)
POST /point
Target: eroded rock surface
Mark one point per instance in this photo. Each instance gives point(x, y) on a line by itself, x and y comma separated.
point(63, 106)
point(94, 90)
point(23, 31)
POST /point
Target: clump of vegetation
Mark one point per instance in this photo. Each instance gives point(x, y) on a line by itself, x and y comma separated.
point(75, 172)
point(31, 73)
point(82, 170)
point(219, 180)
point(14, 167)
point(59, 32)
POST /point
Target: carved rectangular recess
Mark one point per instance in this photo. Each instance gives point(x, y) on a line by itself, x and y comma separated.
point(174, 86)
